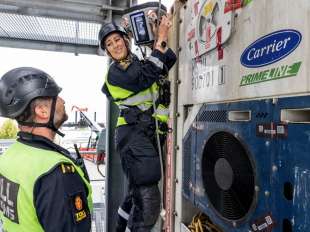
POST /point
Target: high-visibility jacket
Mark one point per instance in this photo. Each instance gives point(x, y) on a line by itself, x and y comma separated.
point(143, 100)
point(146, 73)
point(20, 167)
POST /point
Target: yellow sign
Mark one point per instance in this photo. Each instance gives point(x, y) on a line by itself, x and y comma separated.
point(80, 215)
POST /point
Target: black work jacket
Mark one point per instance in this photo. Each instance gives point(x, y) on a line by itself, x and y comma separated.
point(139, 75)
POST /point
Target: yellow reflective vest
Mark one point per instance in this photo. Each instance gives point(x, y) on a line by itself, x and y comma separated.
point(143, 100)
point(20, 167)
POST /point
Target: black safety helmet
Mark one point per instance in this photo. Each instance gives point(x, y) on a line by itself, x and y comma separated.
point(106, 30)
point(20, 86)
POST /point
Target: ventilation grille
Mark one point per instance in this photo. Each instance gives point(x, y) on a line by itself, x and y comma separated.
point(48, 29)
point(228, 176)
point(187, 163)
point(213, 116)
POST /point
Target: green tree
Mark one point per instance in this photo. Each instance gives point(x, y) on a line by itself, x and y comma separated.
point(8, 130)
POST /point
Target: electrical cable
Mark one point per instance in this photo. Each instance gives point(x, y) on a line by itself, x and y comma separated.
point(160, 156)
point(202, 223)
point(162, 208)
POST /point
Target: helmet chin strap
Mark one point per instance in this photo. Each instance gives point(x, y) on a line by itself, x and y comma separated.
point(50, 124)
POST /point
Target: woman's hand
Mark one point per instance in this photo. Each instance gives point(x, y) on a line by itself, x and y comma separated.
point(163, 30)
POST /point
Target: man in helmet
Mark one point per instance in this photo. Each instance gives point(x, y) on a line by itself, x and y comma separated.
point(41, 187)
point(133, 85)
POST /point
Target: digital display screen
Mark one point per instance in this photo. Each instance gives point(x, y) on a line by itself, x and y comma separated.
point(140, 27)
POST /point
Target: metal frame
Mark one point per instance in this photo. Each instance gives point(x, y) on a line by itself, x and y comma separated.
point(91, 13)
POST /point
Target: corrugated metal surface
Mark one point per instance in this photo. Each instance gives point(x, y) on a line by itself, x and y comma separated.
point(48, 29)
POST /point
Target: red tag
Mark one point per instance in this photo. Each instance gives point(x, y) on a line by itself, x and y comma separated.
point(198, 59)
point(208, 34)
point(191, 34)
point(196, 47)
point(220, 51)
point(219, 36)
point(208, 37)
point(231, 5)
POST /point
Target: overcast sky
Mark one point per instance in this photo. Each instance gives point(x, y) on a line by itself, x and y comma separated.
point(81, 77)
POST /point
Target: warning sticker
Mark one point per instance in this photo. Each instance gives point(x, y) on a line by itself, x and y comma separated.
point(263, 224)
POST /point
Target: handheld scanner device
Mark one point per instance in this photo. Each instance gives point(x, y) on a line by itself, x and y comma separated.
point(139, 20)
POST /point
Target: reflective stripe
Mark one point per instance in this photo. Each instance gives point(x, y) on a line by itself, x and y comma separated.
point(164, 111)
point(156, 61)
point(123, 213)
point(146, 95)
point(121, 107)
point(145, 106)
point(136, 99)
point(142, 100)
point(127, 229)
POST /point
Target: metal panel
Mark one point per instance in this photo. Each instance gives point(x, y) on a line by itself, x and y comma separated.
point(188, 158)
point(75, 10)
point(66, 26)
point(293, 165)
point(260, 148)
point(48, 46)
point(210, 78)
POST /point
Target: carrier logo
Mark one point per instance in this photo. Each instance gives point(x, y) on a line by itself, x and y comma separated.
point(270, 48)
point(271, 74)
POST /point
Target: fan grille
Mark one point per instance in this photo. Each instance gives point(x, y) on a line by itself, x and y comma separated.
point(228, 176)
